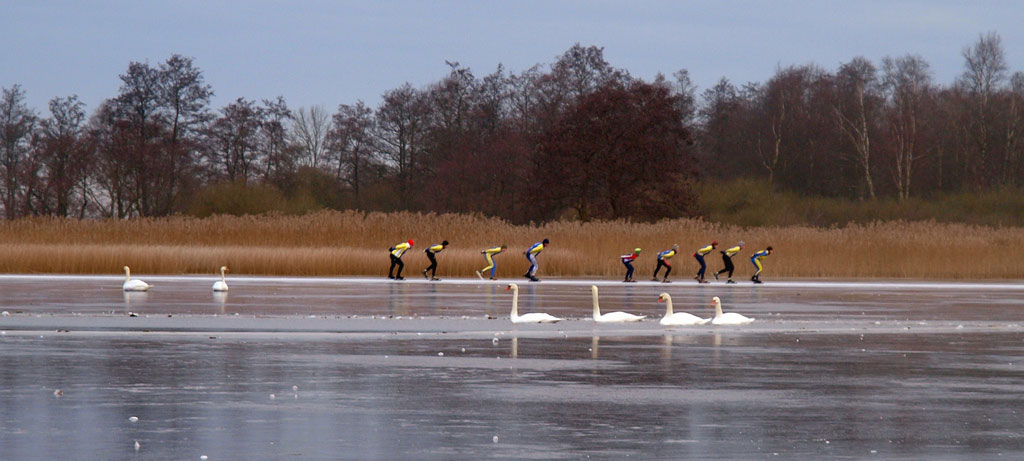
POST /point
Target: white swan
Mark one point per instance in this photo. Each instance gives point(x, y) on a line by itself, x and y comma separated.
point(731, 318)
point(537, 317)
point(678, 318)
point(611, 317)
point(134, 285)
point(221, 285)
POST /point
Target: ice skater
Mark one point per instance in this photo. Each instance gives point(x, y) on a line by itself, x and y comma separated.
point(756, 261)
point(727, 255)
point(699, 256)
point(627, 260)
point(489, 255)
point(431, 252)
point(663, 258)
point(396, 259)
point(531, 255)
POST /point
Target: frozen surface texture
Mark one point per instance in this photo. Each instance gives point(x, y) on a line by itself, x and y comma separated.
point(366, 369)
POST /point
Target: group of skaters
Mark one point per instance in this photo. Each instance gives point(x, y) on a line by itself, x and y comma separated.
point(727, 255)
point(398, 250)
point(531, 255)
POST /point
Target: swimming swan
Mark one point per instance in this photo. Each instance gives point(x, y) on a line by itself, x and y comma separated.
point(221, 285)
point(678, 318)
point(731, 318)
point(134, 285)
point(611, 317)
point(537, 317)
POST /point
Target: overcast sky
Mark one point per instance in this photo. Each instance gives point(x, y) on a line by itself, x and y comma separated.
point(332, 52)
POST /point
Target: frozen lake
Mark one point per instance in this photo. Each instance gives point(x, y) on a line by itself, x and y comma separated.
point(368, 369)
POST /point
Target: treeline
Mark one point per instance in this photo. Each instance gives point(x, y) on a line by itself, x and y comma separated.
point(575, 138)
point(866, 131)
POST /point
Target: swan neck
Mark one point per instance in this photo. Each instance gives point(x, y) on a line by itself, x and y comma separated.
point(222, 275)
point(668, 307)
point(597, 307)
point(127, 274)
point(718, 309)
point(515, 302)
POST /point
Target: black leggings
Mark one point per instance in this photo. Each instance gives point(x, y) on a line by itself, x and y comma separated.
point(728, 265)
point(629, 269)
point(433, 263)
point(396, 261)
point(662, 263)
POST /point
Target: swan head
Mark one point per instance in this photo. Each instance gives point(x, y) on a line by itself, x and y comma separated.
point(716, 304)
point(593, 289)
point(664, 297)
point(512, 286)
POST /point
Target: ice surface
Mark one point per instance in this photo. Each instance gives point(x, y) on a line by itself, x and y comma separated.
point(410, 370)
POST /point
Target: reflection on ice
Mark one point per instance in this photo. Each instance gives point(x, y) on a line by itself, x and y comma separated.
point(137, 297)
point(220, 298)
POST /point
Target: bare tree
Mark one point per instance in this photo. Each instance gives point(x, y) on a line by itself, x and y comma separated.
point(17, 123)
point(448, 104)
point(853, 108)
point(583, 69)
point(309, 131)
point(64, 157)
point(984, 66)
point(164, 109)
point(621, 152)
point(113, 141)
point(139, 106)
point(450, 98)
point(686, 95)
point(523, 98)
point(401, 123)
point(278, 156)
point(778, 95)
point(722, 116)
point(491, 103)
point(351, 144)
point(235, 140)
point(1013, 169)
point(185, 99)
point(185, 96)
point(906, 82)
point(984, 72)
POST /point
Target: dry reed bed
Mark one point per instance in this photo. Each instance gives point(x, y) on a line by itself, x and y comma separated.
point(353, 243)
